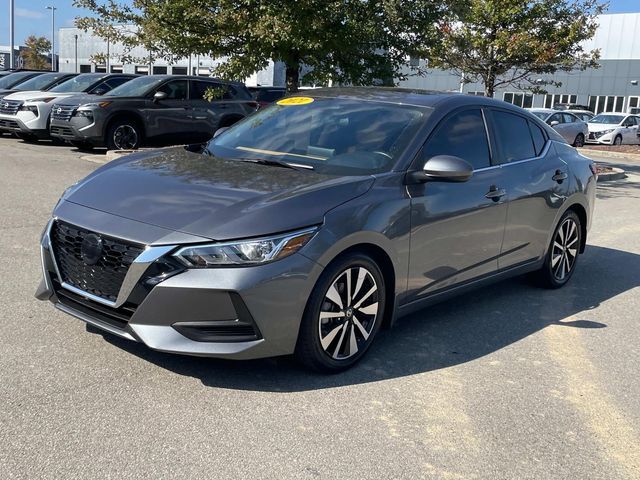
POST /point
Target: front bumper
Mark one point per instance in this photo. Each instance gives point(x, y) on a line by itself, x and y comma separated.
point(606, 139)
point(27, 124)
point(79, 129)
point(239, 313)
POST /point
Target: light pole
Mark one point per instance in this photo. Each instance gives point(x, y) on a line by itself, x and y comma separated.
point(53, 37)
point(75, 37)
point(11, 34)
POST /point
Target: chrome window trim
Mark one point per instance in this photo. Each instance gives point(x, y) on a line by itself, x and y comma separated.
point(544, 152)
point(149, 255)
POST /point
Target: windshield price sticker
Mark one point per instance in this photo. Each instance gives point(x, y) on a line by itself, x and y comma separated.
point(295, 101)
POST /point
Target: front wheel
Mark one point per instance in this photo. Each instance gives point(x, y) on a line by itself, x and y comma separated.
point(561, 259)
point(124, 134)
point(617, 141)
point(343, 314)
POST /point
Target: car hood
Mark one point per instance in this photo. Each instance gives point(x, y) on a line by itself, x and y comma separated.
point(599, 127)
point(33, 94)
point(211, 197)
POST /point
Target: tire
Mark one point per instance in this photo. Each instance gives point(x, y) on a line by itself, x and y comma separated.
point(617, 141)
point(563, 252)
point(339, 340)
point(579, 141)
point(123, 134)
point(83, 146)
point(26, 137)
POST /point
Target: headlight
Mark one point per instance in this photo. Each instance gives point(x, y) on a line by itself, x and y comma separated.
point(83, 114)
point(245, 252)
point(605, 132)
point(94, 105)
point(29, 108)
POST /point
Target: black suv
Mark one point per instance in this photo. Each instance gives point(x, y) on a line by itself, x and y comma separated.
point(158, 109)
point(267, 95)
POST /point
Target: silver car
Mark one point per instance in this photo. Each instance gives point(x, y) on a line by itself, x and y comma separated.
point(573, 129)
point(312, 224)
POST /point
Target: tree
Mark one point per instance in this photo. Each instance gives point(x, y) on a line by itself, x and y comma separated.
point(35, 53)
point(512, 42)
point(343, 41)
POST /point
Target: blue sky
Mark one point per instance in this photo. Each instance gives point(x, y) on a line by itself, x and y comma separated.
point(32, 17)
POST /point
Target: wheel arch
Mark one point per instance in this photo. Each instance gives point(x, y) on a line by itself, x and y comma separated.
point(383, 260)
point(582, 215)
point(126, 115)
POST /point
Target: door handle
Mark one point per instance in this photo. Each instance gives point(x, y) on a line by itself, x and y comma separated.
point(495, 193)
point(559, 176)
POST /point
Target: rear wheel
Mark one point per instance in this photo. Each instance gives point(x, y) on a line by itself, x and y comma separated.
point(124, 134)
point(618, 140)
point(343, 314)
point(562, 256)
point(579, 141)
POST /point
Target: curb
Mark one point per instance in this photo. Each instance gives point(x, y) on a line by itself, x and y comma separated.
point(617, 174)
point(607, 154)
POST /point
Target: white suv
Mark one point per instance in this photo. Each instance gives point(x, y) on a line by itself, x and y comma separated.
point(27, 114)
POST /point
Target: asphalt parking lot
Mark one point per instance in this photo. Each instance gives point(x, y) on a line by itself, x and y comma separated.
point(510, 382)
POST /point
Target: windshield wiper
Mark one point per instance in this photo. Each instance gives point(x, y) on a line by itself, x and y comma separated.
point(275, 163)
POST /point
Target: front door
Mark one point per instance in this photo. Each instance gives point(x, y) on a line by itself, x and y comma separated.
point(170, 118)
point(456, 228)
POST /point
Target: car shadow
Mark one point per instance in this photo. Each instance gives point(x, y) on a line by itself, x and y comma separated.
point(451, 333)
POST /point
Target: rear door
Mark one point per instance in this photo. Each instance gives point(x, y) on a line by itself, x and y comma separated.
point(206, 115)
point(562, 127)
point(456, 228)
point(537, 181)
point(630, 131)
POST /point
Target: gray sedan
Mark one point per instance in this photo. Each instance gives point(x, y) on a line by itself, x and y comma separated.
point(573, 129)
point(311, 225)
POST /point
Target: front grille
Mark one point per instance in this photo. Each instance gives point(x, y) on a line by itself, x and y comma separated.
point(9, 107)
point(105, 277)
point(57, 131)
point(115, 317)
point(9, 124)
point(63, 112)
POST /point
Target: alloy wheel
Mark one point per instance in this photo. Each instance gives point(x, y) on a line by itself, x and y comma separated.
point(348, 313)
point(125, 137)
point(565, 249)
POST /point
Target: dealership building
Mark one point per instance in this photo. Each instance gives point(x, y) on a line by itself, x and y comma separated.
point(615, 86)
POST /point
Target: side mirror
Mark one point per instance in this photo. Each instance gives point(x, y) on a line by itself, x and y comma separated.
point(444, 168)
point(159, 96)
point(554, 123)
point(219, 131)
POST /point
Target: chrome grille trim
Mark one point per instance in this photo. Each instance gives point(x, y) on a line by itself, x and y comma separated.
point(10, 107)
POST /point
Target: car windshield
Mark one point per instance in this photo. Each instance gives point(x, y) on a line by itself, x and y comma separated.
point(335, 136)
point(80, 83)
point(137, 87)
point(607, 119)
point(41, 82)
point(14, 79)
point(541, 115)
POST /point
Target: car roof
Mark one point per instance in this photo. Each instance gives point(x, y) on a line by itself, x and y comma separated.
point(544, 110)
point(195, 77)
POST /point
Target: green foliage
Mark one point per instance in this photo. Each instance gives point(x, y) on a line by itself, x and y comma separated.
point(214, 93)
point(356, 42)
point(35, 53)
point(511, 42)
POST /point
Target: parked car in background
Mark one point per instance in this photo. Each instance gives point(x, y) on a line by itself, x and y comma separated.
point(571, 106)
point(267, 95)
point(42, 83)
point(27, 114)
point(160, 109)
point(584, 115)
point(572, 128)
point(310, 225)
point(7, 82)
point(614, 129)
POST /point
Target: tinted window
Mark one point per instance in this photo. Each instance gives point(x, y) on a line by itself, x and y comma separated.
point(514, 138)
point(268, 95)
point(555, 118)
point(538, 137)
point(461, 135)
point(117, 81)
point(199, 88)
point(175, 90)
point(333, 135)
